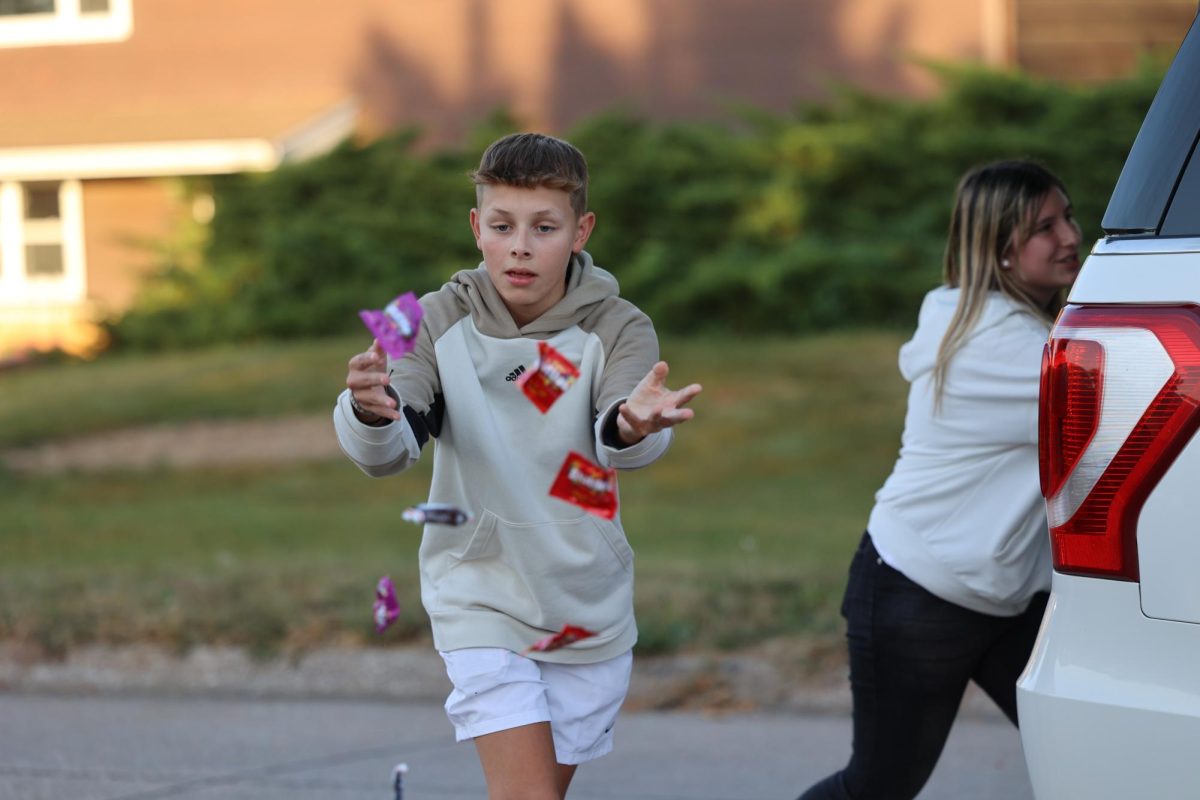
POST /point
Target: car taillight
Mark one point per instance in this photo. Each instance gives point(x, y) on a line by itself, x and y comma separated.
point(1120, 397)
point(1072, 379)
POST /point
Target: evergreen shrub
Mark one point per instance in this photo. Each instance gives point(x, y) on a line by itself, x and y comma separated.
point(832, 216)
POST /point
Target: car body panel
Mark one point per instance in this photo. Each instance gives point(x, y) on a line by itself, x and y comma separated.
point(1130, 279)
point(1169, 543)
point(1109, 703)
point(1169, 525)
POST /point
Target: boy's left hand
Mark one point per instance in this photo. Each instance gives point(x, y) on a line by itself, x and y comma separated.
point(652, 406)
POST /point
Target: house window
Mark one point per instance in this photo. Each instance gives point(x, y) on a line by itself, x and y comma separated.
point(41, 243)
point(32, 23)
point(15, 7)
point(43, 230)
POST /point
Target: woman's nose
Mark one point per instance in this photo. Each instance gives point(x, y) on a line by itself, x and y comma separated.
point(1071, 234)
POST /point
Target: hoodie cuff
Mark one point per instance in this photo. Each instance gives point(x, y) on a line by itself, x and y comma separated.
point(371, 445)
point(635, 456)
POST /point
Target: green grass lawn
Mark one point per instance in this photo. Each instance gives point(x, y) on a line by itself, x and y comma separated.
point(742, 532)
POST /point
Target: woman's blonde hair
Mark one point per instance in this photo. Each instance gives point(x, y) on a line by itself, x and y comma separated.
point(994, 211)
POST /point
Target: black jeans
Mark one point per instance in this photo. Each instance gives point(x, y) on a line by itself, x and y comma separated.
point(911, 656)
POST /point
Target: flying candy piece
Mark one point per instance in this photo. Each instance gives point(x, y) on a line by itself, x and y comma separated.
point(570, 634)
point(552, 375)
point(436, 514)
point(396, 325)
point(587, 485)
point(387, 607)
point(398, 773)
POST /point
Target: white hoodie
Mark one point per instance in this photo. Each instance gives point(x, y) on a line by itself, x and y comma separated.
point(962, 514)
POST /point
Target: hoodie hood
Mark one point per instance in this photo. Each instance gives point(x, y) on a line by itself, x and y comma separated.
point(587, 286)
point(919, 355)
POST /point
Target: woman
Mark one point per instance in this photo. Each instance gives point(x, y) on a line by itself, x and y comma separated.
point(949, 582)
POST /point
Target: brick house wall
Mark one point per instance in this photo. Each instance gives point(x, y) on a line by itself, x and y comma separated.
point(1091, 40)
point(125, 220)
point(209, 86)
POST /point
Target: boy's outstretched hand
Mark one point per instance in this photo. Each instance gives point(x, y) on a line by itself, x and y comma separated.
point(652, 406)
point(366, 381)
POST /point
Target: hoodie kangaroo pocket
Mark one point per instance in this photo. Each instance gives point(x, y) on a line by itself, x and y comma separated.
point(545, 574)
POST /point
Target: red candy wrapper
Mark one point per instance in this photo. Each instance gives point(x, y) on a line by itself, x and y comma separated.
point(570, 634)
point(588, 485)
point(396, 325)
point(387, 607)
point(552, 375)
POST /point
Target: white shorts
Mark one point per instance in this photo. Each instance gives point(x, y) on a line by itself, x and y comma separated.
point(497, 689)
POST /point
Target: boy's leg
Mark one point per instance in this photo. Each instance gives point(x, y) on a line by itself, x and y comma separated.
point(565, 773)
point(519, 763)
point(499, 701)
point(504, 702)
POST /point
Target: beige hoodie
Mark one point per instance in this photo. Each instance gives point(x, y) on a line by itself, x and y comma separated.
point(529, 563)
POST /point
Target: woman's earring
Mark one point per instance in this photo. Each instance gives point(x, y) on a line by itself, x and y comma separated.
point(1004, 263)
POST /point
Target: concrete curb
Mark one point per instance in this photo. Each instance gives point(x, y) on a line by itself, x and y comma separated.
point(724, 682)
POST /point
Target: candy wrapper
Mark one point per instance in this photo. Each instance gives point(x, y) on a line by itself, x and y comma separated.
point(570, 634)
point(588, 485)
point(387, 607)
point(436, 514)
point(396, 325)
point(552, 375)
point(398, 773)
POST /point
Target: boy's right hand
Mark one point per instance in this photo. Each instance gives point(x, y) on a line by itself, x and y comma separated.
point(366, 381)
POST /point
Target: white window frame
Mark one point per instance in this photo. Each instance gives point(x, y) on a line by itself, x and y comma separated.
point(66, 25)
point(16, 287)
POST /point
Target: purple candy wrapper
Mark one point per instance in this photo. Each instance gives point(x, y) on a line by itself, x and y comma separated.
point(387, 607)
point(396, 325)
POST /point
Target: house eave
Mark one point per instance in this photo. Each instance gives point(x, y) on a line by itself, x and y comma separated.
point(314, 136)
point(138, 159)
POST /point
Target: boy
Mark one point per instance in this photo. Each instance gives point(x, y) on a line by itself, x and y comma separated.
point(532, 563)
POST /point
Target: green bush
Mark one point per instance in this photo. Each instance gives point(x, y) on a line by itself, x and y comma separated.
point(832, 216)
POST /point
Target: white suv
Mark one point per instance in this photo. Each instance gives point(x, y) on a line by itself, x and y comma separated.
point(1110, 701)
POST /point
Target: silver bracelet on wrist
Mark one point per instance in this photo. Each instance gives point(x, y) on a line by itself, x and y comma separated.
point(362, 412)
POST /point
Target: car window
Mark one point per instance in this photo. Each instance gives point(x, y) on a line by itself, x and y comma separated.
point(1162, 148)
point(1183, 217)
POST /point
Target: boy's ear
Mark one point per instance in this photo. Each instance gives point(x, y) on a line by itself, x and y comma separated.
point(586, 224)
point(474, 217)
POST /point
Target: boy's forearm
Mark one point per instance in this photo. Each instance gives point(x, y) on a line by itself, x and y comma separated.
point(610, 430)
point(612, 452)
point(376, 450)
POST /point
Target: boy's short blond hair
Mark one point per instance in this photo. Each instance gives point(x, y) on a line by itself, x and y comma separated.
point(531, 161)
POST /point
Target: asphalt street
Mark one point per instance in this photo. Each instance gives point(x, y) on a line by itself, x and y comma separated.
point(144, 747)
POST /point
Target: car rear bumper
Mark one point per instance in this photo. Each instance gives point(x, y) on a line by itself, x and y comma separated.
point(1110, 701)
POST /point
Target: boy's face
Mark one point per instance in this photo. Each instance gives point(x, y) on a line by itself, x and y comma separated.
point(527, 237)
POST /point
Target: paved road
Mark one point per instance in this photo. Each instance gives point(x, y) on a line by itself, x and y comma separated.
point(122, 747)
